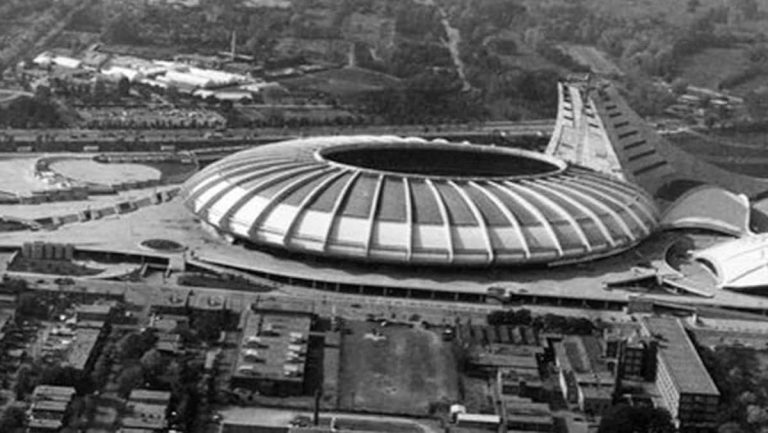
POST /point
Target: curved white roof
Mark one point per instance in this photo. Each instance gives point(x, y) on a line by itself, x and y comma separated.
point(740, 263)
point(412, 201)
point(709, 207)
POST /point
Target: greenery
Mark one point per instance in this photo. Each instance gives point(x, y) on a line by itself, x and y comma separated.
point(29, 305)
point(547, 322)
point(623, 418)
point(743, 386)
point(30, 113)
point(134, 345)
point(13, 418)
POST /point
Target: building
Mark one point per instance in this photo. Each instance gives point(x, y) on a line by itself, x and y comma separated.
point(94, 312)
point(629, 354)
point(49, 408)
point(686, 388)
point(272, 356)
point(146, 411)
point(525, 383)
point(520, 414)
point(583, 373)
point(478, 421)
point(84, 349)
point(373, 199)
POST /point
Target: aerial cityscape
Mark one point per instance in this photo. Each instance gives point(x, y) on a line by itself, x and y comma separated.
point(383, 216)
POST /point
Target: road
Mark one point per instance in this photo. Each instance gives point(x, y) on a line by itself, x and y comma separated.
point(328, 304)
point(531, 127)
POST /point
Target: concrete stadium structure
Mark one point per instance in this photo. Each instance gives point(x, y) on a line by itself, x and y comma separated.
point(497, 220)
point(410, 201)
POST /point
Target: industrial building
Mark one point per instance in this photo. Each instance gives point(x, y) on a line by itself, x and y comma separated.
point(273, 352)
point(583, 374)
point(49, 408)
point(686, 388)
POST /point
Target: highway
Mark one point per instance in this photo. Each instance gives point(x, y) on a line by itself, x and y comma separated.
point(23, 136)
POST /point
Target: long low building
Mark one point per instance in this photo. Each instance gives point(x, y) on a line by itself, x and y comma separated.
point(686, 388)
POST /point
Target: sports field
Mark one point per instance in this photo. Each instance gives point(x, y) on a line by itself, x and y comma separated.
point(402, 371)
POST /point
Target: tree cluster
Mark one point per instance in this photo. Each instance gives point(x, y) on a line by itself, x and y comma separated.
point(545, 323)
point(743, 386)
point(623, 418)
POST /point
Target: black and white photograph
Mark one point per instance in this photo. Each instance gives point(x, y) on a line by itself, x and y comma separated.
point(383, 216)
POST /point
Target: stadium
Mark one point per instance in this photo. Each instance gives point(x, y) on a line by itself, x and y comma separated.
point(415, 202)
point(610, 213)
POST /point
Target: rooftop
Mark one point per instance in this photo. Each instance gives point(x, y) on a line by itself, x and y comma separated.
point(49, 406)
point(274, 346)
point(50, 424)
point(150, 395)
point(104, 309)
point(51, 392)
point(82, 346)
point(520, 410)
point(582, 355)
point(679, 354)
point(142, 415)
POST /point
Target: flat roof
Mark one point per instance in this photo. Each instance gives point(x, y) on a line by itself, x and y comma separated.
point(83, 344)
point(93, 308)
point(273, 346)
point(478, 417)
point(148, 394)
point(50, 406)
point(676, 350)
point(582, 355)
point(52, 392)
point(45, 423)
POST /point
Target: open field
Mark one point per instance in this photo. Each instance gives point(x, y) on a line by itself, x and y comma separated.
point(88, 170)
point(344, 81)
point(404, 372)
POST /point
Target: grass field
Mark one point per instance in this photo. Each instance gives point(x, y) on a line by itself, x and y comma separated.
point(401, 374)
point(344, 81)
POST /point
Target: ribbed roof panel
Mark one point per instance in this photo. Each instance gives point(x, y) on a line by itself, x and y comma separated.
point(550, 214)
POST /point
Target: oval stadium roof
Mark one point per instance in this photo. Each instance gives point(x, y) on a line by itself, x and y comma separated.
point(411, 201)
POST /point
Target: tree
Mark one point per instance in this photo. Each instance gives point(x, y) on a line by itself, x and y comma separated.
point(623, 418)
point(172, 93)
point(30, 305)
point(129, 379)
point(12, 419)
point(123, 87)
point(122, 29)
point(153, 362)
point(24, 381)
point(99, 91)
point(133, 346)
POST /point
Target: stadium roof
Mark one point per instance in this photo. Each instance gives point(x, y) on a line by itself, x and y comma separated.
point(412, 201)
point(738, 264)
